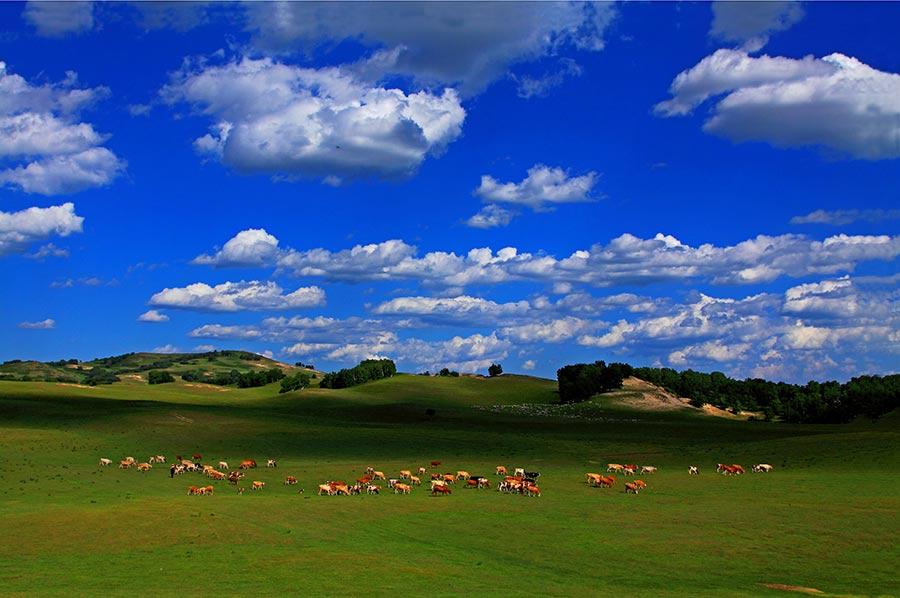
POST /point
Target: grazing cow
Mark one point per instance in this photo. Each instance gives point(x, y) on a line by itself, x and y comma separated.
point(217, 475)
point(207, 490)
point(104, 462)
point(290, 480)
point(437, 483)
point(124, 464)
point(364, 480)
point(355, 489)
point(257, 485)
point(415, 480)
point(130, 460)
point(187, 463)
point(631, 487)
point(421, 471)
point(737, 469)
point(501, 470)
point(449, 478)
point(327, 489)
point(463, 475)
point(592, 478)
point(248, 464)
point(207, 469)
point(627, 470)
point(402, 488)
point(607, 481)
point(648, 469)
point(532, 490)
point(720, 467)
point(405, 474)
point(614, 467)
point(435, 463)
point(378, 475)
point(196, 456)
point(641, 484)
point(223, 465)
point(271, 463)
point(631, 466)
point(235, 476)
point(693, 470)
point(193, 490)
point(440, 490)
point(763, 468)
point(144, 467)
point(436, 476)
point(519, 472)
point(471, 483)
point(728, 470)
point(484, 483)
point(373, 489)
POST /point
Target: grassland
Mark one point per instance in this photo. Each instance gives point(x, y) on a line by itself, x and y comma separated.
point(825, 519)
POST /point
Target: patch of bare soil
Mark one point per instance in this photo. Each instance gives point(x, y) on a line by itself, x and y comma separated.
point(648, 397)
point(73, 384)
point(790, 588)
point(206, 387)
point(136, 377)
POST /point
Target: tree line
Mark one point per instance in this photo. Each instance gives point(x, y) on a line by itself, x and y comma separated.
point(814, 402)
point(367, 371)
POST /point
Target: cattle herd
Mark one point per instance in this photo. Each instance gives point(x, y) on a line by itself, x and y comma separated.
point(521, 481)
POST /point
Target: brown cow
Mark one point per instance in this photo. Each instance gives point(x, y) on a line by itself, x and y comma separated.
point(631, 487)
point(144, 466)
point(124, 464)
point(471, 483)
point(607, 481)
point(290, 480)
point(197, 456)
point(592, 478)
point(257, 485)
point(436, 476)
point(613, 467)
point(248, 464)
point(435, 463)
point(501, 470)
point(463, 475)
point(326, 488)
point(628, 470)
point(193, 490)
point(415, 480)
point(449, 478)
point(440, 490)
point(378, 475)
point(532, 490)
point(207, 490)
point(402, 488)
point(640, 484)
point(217, 475)
point(737, 469)
point(405, 474)
point(364, 480)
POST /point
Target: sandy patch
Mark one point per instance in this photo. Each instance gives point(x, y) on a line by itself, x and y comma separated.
point(75, 385)
point(207, 387)
point(790, 588)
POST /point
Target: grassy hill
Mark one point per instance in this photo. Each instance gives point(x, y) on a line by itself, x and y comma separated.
point(825, 519)
point(134, 366)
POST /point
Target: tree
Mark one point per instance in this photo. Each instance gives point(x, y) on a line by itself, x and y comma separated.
point(298, 381)
point(159, 377)
point(495, 370)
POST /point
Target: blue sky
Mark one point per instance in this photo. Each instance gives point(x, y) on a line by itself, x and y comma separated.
point(688, 185)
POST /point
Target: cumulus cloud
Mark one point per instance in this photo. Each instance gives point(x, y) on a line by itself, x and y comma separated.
point(58, 19)
point(47, 324)
point(544, 186)
point(529, 365)
point(437, 43)
point(290, 121)
point(751, 23)
point(19, 230)
point(491, 216)
point(842, 217)
point(626, 260)
point(251, 247)
point(167, 349)
point(826, 328)
point(462, 307)
point(154, 316)
point(238, 296)
point(836, 102)
point(45, 147)
point(553, 331)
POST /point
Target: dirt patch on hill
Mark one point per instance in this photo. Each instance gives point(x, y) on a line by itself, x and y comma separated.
point(73, 384)
point(789, 588)
point(644, 396)
point(207, 387)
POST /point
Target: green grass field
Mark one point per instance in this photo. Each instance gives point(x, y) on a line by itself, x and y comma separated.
point(825, 519)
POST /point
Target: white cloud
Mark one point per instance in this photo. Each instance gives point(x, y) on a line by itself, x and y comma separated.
point(19, 230)
point(57, 19)
point(437, 43)
point(251, 247)
point(461, 307)
point(841, 217)
point(529, 365)
point(48, 250)
point(835, 102)
point(47, 324)
point(167, 349)
point(153, 316)
point(291, 121)
point(542, 187)
point(45, 148)
point(238, 296)
point(538, 87)
point(490, 216)
point(751, 23)
point(304, 349)
point(553, 331)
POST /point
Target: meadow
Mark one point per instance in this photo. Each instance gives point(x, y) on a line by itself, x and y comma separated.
point(826, 518)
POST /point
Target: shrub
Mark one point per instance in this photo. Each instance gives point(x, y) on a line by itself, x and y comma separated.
point(159, 377)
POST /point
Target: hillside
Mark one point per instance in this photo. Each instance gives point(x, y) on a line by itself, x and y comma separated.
point(134, 366)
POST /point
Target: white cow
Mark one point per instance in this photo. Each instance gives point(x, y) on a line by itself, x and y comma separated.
point(693, 470)
point(648, 469)
point(223, 465)
point(271, 463)
point(763, 468)
point(104, 462)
